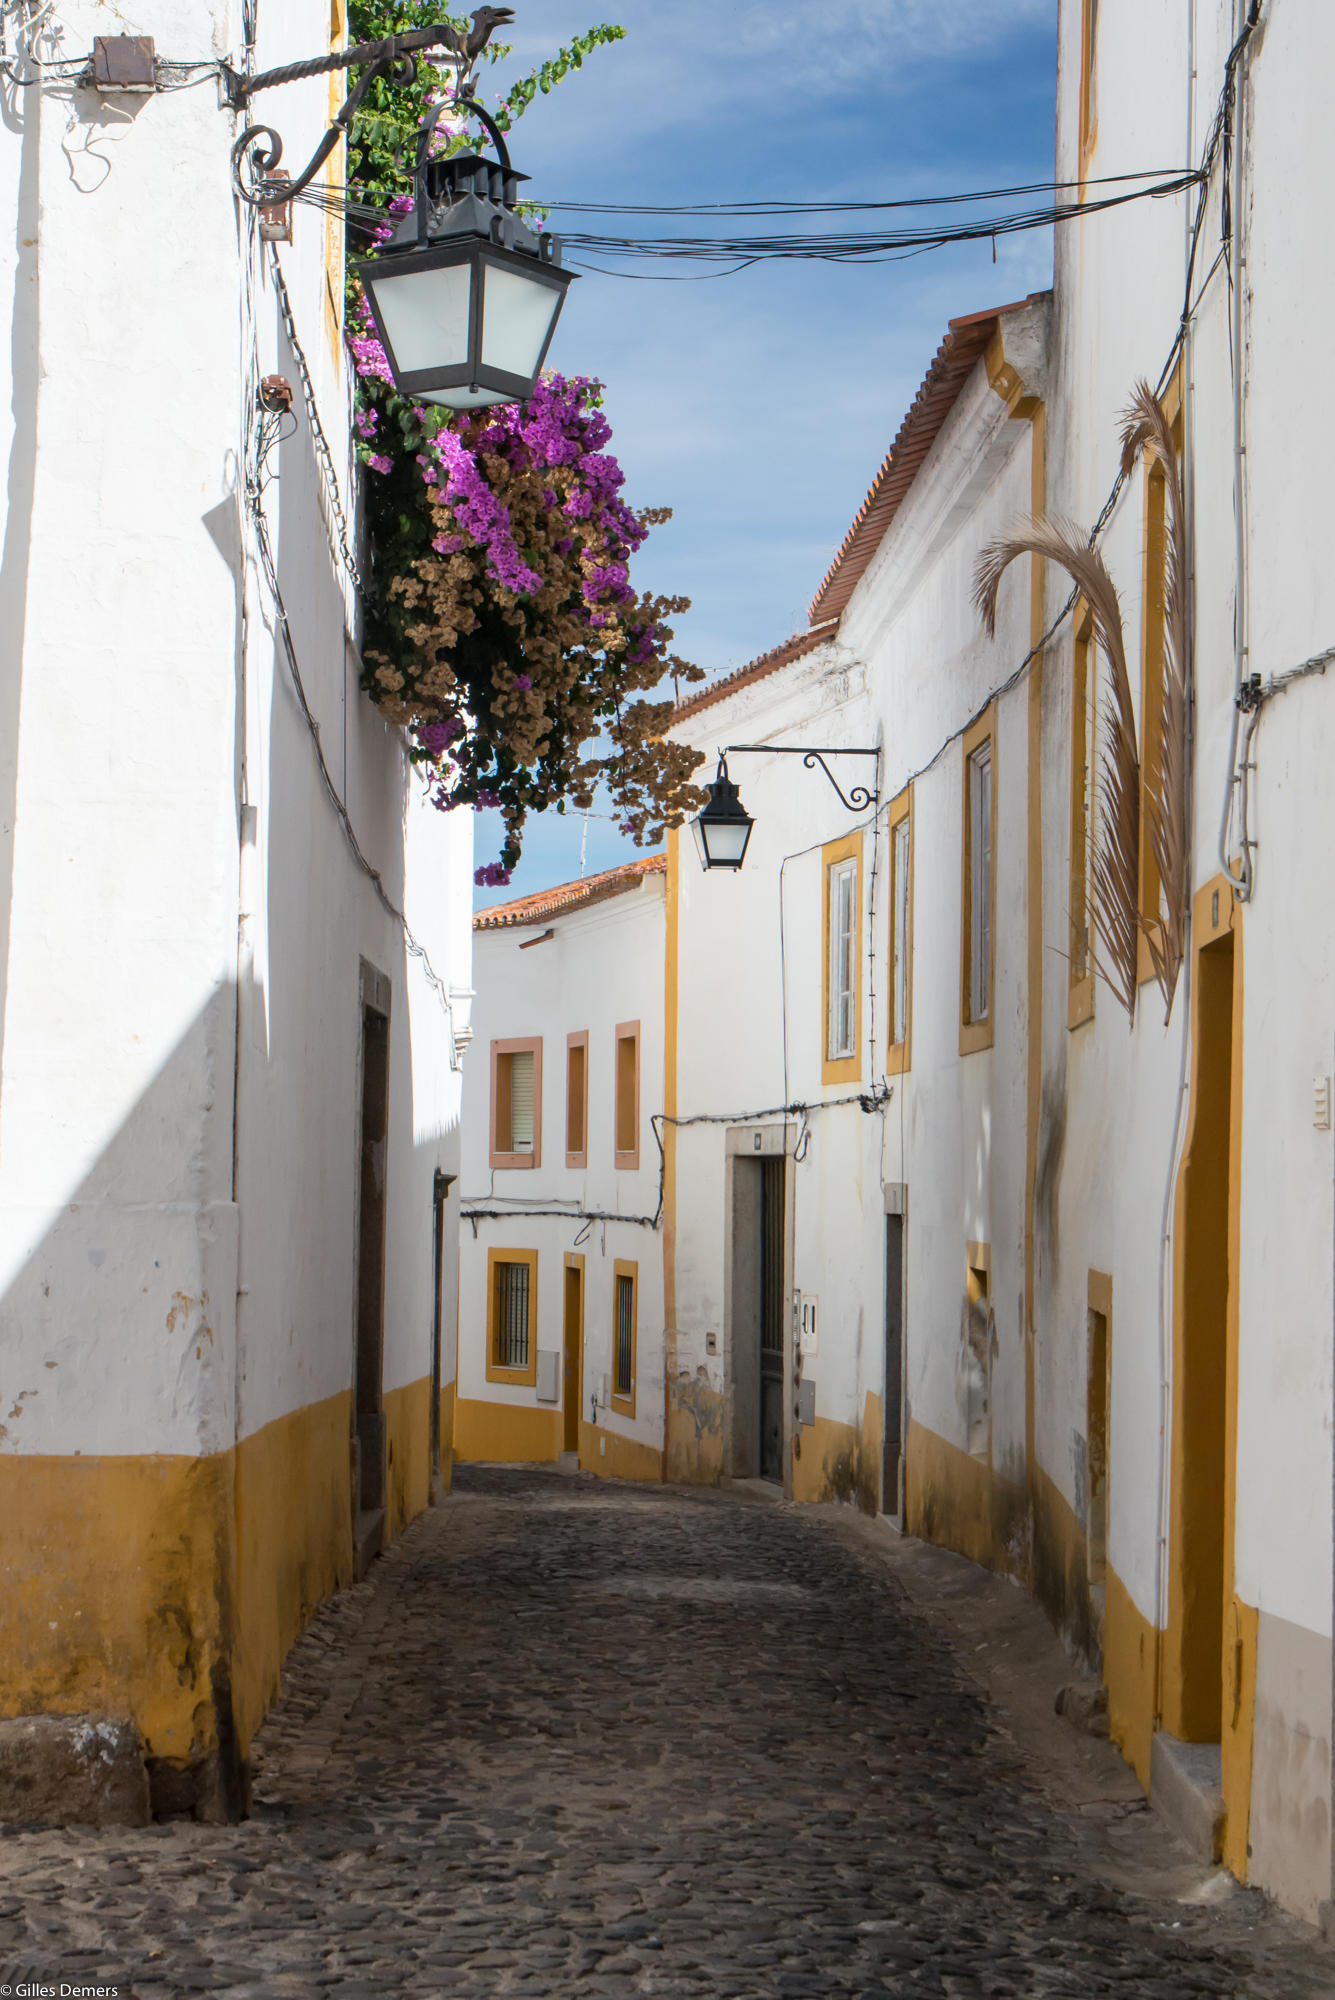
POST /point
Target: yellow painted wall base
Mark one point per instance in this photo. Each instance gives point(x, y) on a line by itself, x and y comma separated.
point(505, 1433)
point(694, 1430)
point(293, 1542)
point(959, 1501)
point(407, 1454)
point(446, 1436)
point(841, 1461)
point(1059, 1567)
point(1130, 1661)
point(171, 1588)
point(1241, 1623)
point(116, 1575)
point(612, 1456)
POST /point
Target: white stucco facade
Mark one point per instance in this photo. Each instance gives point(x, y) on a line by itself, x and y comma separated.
point(190, 947)
point(581, 966)
point(1073, 1274)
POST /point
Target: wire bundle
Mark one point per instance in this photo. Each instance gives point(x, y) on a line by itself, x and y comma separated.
point(827, 246)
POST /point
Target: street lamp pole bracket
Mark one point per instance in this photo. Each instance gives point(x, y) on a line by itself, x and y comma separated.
point(858, 797)
point(394, 57)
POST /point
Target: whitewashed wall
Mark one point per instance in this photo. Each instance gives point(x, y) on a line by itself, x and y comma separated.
point(908, 671)
point(604, 966)
point(184, 920)
point(1120, 290)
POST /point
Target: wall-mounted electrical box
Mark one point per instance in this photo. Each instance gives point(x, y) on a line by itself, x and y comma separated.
point(124, 62)
point(549, 1375)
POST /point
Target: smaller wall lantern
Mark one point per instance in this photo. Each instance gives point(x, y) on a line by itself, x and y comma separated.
point(723, 826)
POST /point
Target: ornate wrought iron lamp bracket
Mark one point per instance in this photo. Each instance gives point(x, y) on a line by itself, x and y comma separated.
point(857, 799)
point(260, 148)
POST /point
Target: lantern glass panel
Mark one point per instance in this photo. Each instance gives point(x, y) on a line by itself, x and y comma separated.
point(517, 315)
point(726, 840)
point(425, 315)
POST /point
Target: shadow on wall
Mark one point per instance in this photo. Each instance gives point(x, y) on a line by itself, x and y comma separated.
point(170, 1585)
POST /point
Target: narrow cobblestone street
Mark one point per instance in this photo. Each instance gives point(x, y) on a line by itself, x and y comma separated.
point(571, 1738)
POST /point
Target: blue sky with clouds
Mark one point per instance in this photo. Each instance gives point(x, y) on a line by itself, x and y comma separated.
point(759, 406)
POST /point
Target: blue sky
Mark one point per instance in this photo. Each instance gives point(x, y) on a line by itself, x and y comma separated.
point(760, 406)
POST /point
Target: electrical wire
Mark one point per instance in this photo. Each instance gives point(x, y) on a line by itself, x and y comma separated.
point(763, 206)
point(826, 247)
point(336, 526)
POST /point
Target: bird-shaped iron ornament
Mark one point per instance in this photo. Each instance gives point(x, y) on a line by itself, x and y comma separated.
point(485, 22)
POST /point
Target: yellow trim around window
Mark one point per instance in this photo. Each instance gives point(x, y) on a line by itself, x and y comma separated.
point(899, 1055)
point(976, 1035)
point(1153, 643)
point(625, 1268)
point(577, 1156)
point(627, 1157)
point(840, 1069)
point(497, 1155)
point(1084, 693)
point(521, 1378)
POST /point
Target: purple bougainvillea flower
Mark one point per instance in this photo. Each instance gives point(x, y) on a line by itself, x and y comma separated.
point(437, 736)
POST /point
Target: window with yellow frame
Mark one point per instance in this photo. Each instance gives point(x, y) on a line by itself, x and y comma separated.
point(1154, 635)
point(512, 1317)
point(900, 984)
point(978, 895)
point(841, 960)
point(1084, 746)
point(625, 1334)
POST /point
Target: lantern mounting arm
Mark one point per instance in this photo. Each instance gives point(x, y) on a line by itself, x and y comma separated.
point(394, 57)
point(858, 797)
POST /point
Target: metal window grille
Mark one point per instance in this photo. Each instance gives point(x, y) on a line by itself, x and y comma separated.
point(624, 1357)
point(899, 1024)
point(512, 1315)
point(980, 881)
point(843, 896)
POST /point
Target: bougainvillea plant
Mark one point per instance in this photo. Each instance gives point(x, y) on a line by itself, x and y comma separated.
point(502, 629)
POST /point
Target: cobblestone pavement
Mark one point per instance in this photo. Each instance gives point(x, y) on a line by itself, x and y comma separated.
point(570, 1738)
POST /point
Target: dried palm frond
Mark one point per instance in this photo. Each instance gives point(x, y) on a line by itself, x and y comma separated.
point(1117, 833)
point(1145, 427)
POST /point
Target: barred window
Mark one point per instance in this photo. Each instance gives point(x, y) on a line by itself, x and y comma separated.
point(511, 1315)
point(625, 1315)
point(625, 1334)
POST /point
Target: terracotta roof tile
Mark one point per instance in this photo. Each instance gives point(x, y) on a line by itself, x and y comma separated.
point(567, 896)
point(756, 670)
point(965, 342)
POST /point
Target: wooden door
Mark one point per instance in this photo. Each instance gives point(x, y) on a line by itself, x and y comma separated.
point(572, 1384)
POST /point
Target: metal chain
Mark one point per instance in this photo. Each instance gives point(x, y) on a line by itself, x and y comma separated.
point(339, 541)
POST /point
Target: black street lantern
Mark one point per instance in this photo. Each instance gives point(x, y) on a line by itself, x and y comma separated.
point(466, 296)
point(723, 826)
